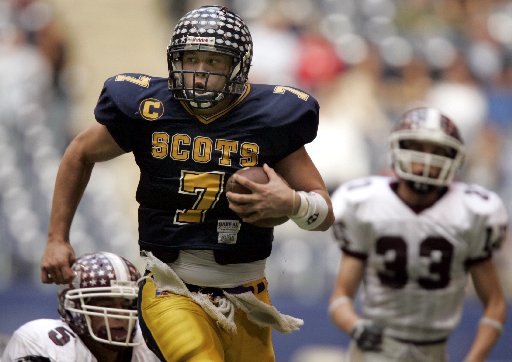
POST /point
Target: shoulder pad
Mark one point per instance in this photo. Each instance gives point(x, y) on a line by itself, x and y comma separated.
point(356, 191)
point(284, 103)
point(479, 200)
point(127, 90)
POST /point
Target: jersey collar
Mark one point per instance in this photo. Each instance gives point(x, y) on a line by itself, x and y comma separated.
point(213, 117)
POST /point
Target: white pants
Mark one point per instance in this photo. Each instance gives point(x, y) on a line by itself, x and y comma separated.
point(395, 351)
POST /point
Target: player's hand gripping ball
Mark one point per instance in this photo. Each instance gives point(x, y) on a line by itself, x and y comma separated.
point(258, 175)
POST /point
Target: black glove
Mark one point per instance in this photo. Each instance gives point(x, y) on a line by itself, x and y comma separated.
point(367, 335)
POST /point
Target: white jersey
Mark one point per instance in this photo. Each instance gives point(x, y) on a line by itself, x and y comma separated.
point(55, 341)
point(416, 263)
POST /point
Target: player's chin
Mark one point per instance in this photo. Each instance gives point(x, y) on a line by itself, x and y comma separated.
point(117, 334)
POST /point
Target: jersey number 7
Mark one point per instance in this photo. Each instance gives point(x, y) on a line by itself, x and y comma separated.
point(207, 187)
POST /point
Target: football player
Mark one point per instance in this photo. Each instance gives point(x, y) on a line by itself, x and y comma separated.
point(206, 295)
point(414, 240)
point(98, 322)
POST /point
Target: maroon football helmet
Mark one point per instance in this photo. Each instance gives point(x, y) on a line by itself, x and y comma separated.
point(430, 126)
point(99, 276)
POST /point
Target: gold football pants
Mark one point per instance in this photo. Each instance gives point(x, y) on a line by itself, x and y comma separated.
point(177, 329)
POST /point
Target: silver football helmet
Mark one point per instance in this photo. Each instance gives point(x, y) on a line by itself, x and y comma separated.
point(426, 125)
point(100, 276)
point(213, 29)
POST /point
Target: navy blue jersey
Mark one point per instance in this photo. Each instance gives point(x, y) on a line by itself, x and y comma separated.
point(185, 160)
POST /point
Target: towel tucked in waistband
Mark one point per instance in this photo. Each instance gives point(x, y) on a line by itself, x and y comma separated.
point(221, 307)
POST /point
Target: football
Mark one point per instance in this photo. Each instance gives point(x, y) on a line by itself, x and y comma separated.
point(255, 174)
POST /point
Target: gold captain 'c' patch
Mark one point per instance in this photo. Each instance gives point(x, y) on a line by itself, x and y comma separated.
point(151, 109)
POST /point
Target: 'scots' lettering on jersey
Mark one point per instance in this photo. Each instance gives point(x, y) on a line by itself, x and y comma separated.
point(181, 147)
point(185, 159)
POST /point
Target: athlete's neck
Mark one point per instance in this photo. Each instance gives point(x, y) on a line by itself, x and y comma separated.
point(417, 201)
point(103, 353)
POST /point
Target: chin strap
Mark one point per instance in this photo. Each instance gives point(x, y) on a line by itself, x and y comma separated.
point(422, 188)
point(208, 104)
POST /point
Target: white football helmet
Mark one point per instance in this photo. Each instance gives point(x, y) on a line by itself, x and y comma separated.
point(99, 276)
point(430, 126)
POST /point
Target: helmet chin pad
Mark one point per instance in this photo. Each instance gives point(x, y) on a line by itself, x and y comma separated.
point(204, 100)
point(422, 188)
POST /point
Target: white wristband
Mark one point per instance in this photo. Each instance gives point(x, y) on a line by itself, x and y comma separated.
point(493, 323)
point(312, 212)
point(338, 302)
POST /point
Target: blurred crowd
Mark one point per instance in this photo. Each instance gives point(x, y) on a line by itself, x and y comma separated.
point(366, 61)
point(35, 128)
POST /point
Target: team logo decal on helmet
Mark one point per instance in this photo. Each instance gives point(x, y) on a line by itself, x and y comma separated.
point(430, 126)
point(101, 276)
point(214, 29)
